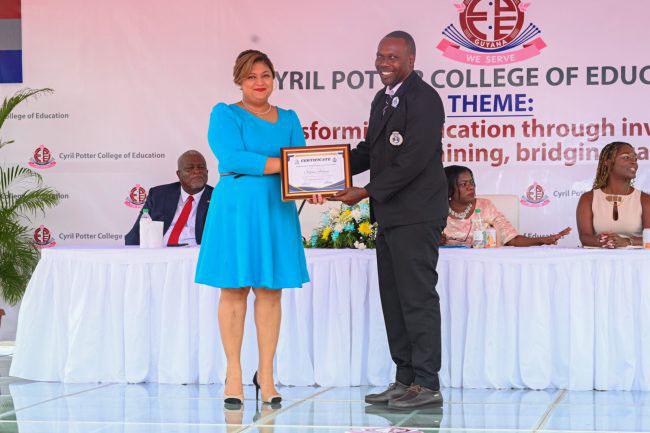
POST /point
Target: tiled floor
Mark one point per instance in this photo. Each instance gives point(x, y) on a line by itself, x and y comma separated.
point(37, 407)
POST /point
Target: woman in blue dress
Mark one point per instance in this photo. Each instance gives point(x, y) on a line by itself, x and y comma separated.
point(252, 238)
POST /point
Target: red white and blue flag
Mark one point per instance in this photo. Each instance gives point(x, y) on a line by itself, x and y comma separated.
point(11, 52)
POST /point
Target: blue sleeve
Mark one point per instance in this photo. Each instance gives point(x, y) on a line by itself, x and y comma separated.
point(225, 138)
point(297, 134)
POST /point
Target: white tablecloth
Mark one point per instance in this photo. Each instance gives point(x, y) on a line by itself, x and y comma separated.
point(522, 318)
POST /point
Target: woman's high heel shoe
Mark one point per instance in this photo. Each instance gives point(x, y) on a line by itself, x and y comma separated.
point(232, 400)
point(274, 399)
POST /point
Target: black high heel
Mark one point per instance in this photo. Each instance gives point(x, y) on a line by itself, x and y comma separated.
point(275, 399)
point(231, 401)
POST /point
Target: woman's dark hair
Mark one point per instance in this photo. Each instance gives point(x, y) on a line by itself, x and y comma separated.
point(607, 154)
point(452, 172)
point(244, 64)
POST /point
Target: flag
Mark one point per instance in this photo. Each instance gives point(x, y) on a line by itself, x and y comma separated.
point(11, 48)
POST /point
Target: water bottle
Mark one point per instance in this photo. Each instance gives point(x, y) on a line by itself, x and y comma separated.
point(145, 219)
point(145, 215)
point(478, 230)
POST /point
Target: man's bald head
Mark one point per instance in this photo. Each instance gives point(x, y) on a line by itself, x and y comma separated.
point(187, 154)
point(192, 171)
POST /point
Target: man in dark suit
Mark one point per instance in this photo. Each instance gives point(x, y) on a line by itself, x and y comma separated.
point(182, 206)
point(408, 199)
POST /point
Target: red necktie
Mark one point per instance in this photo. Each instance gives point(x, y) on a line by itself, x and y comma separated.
point(180, 223)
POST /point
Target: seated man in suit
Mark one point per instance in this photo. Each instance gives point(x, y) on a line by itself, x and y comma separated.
point(182, 206)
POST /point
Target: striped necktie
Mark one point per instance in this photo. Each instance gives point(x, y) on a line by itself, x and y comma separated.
point(389, 100)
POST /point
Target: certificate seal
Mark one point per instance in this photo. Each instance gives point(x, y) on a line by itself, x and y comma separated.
point(396, 138)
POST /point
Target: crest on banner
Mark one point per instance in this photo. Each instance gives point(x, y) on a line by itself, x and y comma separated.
point(136, 198)
point(489, 33)
point(535, 196)
point(43, 238)
point(42, 158)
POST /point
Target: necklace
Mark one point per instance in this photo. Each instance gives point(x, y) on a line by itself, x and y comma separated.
point(258, 113)
point(616, 199)
point(460, 215)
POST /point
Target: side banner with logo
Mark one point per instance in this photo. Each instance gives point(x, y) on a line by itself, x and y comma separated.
point(532, 91)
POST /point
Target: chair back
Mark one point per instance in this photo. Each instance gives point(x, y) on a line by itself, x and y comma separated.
point(508, 205)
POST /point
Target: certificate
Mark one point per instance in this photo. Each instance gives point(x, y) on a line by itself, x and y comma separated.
point(313, 170)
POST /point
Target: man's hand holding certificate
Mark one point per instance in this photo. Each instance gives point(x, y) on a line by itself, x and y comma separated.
point(350, 196)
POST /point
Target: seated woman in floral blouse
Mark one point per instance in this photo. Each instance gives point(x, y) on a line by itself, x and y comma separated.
point(463, 202)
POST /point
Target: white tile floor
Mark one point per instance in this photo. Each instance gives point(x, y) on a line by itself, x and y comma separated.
point(36, 407)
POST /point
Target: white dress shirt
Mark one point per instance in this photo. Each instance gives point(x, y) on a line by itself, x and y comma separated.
point(188, 235)
point(392, 91)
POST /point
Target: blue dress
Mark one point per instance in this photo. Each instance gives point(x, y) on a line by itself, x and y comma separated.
point(251, 237)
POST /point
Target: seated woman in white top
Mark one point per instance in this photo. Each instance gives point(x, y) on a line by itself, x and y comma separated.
point(614, 213)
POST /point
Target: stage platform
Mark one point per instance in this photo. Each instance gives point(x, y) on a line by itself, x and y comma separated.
point(47, 407)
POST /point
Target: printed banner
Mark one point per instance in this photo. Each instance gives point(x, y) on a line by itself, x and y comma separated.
point(532, 91)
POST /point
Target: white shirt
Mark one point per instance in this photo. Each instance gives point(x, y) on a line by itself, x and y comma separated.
point(392, 91)
point(187, 234)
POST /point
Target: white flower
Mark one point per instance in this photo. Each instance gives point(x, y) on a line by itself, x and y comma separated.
point(359, 245)
point(356, 214)
point(334, 213)
point(338, 227)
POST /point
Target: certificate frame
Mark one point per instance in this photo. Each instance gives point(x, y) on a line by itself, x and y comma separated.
point(301, 192)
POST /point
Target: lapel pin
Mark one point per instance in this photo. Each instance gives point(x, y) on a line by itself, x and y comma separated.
point(395, 102)
point(396, 138)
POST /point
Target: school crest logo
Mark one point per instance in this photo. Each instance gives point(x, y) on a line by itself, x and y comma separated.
point(43, 238)
point(535, 196)
point(42, 158)
point(136, 198)
point(489, 33)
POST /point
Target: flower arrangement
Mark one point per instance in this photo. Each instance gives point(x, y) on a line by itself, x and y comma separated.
point(345, 227)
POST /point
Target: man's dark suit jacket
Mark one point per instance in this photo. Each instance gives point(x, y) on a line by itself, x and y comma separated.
point(407, 182)
point(162, 202)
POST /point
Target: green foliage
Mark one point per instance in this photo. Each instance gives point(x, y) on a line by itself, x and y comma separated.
point(345, 227)
point(9, 103)
point(22, 196)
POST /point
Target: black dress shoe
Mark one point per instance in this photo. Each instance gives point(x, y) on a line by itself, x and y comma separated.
point(395, 390)
point(416, 396)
